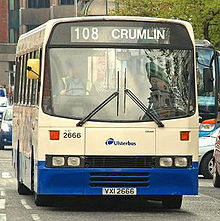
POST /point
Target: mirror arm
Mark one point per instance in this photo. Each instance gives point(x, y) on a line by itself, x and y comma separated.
point(30, 69)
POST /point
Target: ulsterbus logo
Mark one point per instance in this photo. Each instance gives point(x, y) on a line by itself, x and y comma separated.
point(111, 141)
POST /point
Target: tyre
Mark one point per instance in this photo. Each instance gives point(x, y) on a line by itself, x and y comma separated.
point(22, 189)
point(2, 147)
point(172, 202)
point(207, 166)
point(40, 200)
point(216, 177)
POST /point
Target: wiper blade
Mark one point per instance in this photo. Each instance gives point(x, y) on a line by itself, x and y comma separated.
point(98, 108)
point(143, 107)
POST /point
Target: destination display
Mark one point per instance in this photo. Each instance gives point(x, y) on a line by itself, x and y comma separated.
point(120, 33)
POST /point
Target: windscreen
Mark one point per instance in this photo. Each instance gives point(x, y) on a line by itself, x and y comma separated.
point(83, 75)
point(8, 115)
point(207, 99)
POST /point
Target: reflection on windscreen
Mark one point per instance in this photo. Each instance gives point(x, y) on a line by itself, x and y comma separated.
point(206, 99)
point(83, 78)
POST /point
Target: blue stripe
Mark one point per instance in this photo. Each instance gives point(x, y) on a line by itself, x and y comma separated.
point(79, 181)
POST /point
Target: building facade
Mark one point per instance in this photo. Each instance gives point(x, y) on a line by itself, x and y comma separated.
point(9, 29)
point(36, 12)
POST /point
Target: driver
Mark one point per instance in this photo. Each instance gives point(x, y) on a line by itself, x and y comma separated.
point(75, 85)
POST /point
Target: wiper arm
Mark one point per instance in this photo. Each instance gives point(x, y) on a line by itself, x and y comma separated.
point(143, 107)
point(98, 108)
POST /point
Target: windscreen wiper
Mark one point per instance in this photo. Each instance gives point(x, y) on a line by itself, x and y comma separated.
point(100, 106)
point(143, 107)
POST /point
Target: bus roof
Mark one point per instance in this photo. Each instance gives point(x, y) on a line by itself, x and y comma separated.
point(36, 38)
point(203, 43)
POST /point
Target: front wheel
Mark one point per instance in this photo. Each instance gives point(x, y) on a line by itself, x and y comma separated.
point(22, 189)
point(172, 202)
point(216, 177)
point(39, 200)
point(207, 165)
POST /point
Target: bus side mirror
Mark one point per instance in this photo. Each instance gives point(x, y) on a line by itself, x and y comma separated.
point(208, 80)
point(33, 68)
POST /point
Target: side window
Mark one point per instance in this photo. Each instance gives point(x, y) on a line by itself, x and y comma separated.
point(21, 80)
point(34, 83)
point(39, 80)
point(28, 82)
point(47, 106)
point(17, 78)
point(24, 80)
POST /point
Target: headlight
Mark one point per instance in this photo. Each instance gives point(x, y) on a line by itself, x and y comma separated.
point(58, 161)
point(63, 161)
point(181, 162)
point(166, 161)
point(206, 127)
point(5, 127)
point(73, 161)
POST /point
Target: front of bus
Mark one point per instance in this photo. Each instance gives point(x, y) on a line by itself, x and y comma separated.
point(207, 70)
point(131, 127)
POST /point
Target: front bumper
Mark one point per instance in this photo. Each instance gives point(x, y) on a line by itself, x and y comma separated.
point(82, 181)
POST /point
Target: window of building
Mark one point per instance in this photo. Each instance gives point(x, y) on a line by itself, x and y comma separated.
point(38, 3)
point(67, 2)
point(12, 5)
point(30, 27)
point(13, 35)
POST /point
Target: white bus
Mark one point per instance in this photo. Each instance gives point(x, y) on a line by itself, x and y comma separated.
point(106, 106)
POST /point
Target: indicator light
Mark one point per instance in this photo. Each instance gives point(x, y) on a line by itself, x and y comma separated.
point(54, 134)
point(184, 135)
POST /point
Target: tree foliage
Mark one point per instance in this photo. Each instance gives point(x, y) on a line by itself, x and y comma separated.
point(204, 15)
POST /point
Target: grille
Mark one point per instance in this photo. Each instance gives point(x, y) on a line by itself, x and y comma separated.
point(119, 179)
point(119, 162)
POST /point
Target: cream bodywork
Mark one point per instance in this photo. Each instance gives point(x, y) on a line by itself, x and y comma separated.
point(31, 126)
point(149, 138)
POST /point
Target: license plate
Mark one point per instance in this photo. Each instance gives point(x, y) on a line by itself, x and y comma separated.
point(119, 191)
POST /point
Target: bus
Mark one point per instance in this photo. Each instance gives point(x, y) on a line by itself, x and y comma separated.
point(208, 101)
point(129, 130)
point(207, 61)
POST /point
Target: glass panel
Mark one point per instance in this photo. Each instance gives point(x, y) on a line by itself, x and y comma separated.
point(8, 115)
point(38, 3)
point(12, 36)
point(207, 102)
point(21, 79)
point(24, 80)
point(11, 5)
point(160, 78)
point(67, 2)
point(2, 92)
